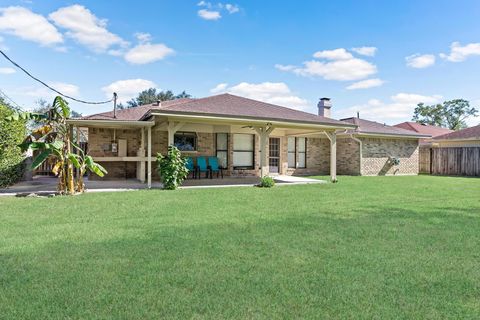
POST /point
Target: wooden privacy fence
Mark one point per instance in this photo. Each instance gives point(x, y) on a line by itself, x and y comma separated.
point(458, 161)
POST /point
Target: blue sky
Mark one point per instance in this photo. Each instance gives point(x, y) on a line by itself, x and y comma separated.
point(376, 57)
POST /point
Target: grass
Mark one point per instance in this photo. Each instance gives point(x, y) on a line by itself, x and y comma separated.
point(367, 247)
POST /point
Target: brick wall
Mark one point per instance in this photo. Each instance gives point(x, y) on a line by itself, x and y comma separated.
point(99, 145)
point(318, 157)
point(348, 156)
point(377, 152)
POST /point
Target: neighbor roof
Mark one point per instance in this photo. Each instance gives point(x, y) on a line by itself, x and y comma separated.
point(131, 114)
point(468, 133)
point(372, 127)
point(223, 105)
point(423, 128)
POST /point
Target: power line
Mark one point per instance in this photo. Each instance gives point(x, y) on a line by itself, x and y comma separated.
point(15, 106)
point(49, 87)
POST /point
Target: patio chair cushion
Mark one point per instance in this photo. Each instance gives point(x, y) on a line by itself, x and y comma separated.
point(189, 164)
point(213, 163)
point(202, 164)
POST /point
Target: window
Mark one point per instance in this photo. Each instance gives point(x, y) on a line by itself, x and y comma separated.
point(222, 149)
point(292, 157)
point(243, 151)
point(185, 141)
point(302, 152)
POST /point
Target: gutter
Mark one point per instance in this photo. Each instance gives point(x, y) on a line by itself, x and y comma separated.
point(360, 143)
point(115, 123)
point(280, 123)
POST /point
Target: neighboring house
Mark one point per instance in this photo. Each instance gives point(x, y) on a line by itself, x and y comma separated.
point(456, 153)
point(425, 152)
point(425, 129)
point(249, 137)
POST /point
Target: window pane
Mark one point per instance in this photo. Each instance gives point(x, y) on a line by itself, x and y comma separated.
point(291, 144)
point(185, 141)
point(222, 143)
point(291, 160)
point(222, 158)
point(243, 159)
point(301, 160)
point(243, 142)
point(301, 144)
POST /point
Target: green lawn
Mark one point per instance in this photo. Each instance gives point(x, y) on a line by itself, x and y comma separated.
point(367, 247)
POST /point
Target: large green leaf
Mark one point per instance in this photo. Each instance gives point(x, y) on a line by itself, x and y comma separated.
point(57, 144)
point(95, 167)
point(74, 159)
point(62, 105)
point(40, 159)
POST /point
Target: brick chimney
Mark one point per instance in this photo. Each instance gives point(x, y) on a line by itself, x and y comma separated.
point(324, 106)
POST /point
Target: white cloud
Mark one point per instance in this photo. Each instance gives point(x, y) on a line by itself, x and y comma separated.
point(338, 64)
point(420, 61)
point(337, 54)
point(209, 14)
point(459, 53)
point(365, 84)
point(27, 25)
point(366, 51)
point(147, 53)
point(399, 108)
point(85, 28)
point(45, 93)
point(143, 37)
point(127, 89)
point(232, 8)
point(213, 11)
point(219, 88)
point(7, 70)
point(271, 92)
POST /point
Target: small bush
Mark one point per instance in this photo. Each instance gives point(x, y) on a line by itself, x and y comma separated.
point(266, 182)
point(11, 157)
point(172, 168)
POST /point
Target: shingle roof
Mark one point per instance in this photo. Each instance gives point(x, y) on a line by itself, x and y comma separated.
point(372, 127)
point(423, 128)
point(131, 114)
point(225, 105)
point(468, 133)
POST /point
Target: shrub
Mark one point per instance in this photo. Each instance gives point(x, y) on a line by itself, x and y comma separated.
point(11, 156)
point(172, 168)
point(266, 182)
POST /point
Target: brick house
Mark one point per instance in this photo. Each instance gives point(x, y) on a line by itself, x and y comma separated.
point(249, 137)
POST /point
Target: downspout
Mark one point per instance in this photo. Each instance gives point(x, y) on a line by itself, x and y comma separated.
point(360, 151)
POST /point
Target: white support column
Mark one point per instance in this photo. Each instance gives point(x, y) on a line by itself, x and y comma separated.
point(172, 128)
point(264, 133)
point(332, 136)
point(149, 155)
point(141, 153)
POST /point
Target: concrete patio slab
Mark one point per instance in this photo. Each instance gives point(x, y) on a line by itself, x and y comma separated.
point(45, 185)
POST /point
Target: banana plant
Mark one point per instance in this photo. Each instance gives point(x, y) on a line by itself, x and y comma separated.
point(53, 142)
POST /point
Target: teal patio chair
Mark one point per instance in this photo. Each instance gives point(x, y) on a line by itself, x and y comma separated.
point(202, 167)
point(214, 167)
point(191, 168)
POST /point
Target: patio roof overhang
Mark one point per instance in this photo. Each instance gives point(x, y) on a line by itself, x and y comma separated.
point(110, 123)
point(278, 123)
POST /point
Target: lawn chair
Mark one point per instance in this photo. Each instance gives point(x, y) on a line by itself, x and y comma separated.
point(191, 168)
point(202, 167)
point(214, 167)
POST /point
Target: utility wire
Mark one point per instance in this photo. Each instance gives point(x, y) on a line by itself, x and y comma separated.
point(15, 105)
point(49, 87)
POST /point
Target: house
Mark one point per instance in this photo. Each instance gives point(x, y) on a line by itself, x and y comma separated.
point(249, 137)
point(425, 152)
point(426, 129)
point(457, 153)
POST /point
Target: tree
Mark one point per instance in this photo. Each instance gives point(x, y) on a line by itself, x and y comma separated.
point(451, 114)
point(11, 157)
point(151, 96)
point(52, 141)
point(172, 168)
